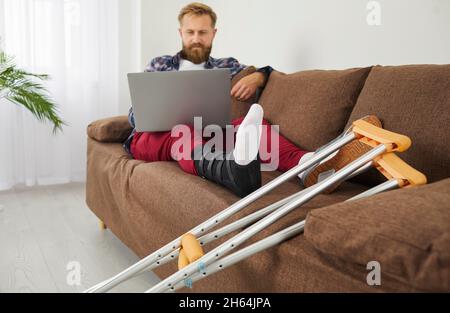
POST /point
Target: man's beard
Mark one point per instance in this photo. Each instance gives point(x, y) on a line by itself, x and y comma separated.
point(196, 56)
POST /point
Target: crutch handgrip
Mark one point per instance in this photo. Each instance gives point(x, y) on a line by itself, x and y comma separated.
point(374, 136)
point(191, 247)
point(182, 259)
point(392, 167)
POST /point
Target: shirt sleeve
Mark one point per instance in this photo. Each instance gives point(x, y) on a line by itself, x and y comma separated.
point(131, 117)
point(151, 66)
point(266, 70)
point(235, 67)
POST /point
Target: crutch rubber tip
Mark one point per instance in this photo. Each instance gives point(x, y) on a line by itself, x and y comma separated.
point(192, 248)
point(102, 225)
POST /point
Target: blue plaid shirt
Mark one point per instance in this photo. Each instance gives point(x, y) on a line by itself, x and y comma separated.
point(172, 63)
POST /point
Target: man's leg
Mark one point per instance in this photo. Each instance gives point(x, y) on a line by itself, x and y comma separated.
point(159, 146)
point(288, 155)
point(240, 169)
point(151, 146)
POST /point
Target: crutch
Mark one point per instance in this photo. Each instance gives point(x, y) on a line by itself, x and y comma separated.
point(218, 218)
point(237, 225)
point(382, 140)
point(388, 142)
point(398, 174)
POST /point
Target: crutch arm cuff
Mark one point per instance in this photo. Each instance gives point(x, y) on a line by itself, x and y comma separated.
point(392, 167)
point(373, 136)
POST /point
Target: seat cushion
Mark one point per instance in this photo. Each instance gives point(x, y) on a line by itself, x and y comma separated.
point(413, 100)
point(407, 231)
point(312, 107)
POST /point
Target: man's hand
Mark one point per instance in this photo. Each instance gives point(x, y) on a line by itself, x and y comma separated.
point(247, 86)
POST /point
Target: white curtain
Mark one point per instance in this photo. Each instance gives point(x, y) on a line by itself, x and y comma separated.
point(76, 43)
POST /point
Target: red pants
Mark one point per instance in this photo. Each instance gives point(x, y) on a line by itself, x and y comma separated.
point(157, 146)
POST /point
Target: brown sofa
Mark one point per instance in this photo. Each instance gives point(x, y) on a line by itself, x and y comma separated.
point(407, 231)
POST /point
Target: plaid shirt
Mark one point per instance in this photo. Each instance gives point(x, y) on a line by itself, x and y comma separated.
point(172, 63)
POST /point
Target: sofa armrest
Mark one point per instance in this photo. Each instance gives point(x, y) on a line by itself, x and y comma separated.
point(407, 231)
point(240, 108)
point(113, 129)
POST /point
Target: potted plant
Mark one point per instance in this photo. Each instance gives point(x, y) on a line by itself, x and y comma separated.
point(23, 88)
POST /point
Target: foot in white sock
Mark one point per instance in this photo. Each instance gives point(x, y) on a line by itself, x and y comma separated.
point(248, 136)
point(240, 170)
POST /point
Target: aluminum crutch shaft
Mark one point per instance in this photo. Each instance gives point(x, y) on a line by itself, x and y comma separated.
point(236, 225)
point(272, 240)
point(244, 253)
point(213, 221)
point(268, 220)
point(243, 222)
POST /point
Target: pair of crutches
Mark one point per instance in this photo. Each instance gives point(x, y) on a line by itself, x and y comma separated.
point(195, 265)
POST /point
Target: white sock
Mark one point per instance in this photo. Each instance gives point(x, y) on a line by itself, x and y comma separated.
point(248, 136)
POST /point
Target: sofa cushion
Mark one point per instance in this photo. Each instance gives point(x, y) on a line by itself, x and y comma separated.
point(413, 100)
point(407, 231)
point(312, 107)
point(113, 129)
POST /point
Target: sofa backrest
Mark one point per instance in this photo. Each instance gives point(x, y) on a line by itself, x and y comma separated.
point(312, 107)
point(413, 100)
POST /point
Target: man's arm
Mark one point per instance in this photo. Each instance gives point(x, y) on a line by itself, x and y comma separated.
point(248, 86)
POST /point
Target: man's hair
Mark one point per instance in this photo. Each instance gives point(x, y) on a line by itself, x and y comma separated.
point(198, 9)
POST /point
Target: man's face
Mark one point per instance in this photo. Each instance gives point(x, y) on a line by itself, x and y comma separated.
point(197, 35)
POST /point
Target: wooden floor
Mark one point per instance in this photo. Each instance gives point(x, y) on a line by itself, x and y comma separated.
point(44, 229)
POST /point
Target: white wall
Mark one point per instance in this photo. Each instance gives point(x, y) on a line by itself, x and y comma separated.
point(2, 26)
point(294, 35)
point(129, 48)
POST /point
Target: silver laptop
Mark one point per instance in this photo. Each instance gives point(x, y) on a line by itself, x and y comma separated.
point(162, 100)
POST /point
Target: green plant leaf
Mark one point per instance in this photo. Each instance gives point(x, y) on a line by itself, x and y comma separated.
point(23, 88)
